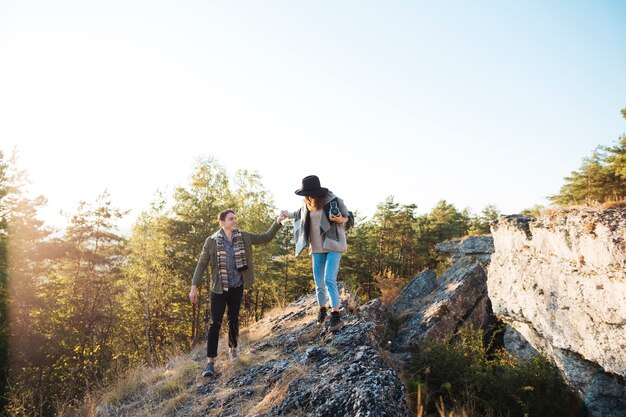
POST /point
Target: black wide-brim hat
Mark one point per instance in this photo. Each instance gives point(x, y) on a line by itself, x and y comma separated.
point(311, 187)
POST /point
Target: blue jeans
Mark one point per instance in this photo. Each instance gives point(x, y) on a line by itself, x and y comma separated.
point(325, 269)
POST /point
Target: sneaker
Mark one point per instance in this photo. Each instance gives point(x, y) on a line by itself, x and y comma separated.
point(233, 354)
point(321, 316)
point(335, 322)
point(209, 370)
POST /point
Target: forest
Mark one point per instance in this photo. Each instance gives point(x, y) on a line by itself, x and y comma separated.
point(80, 306)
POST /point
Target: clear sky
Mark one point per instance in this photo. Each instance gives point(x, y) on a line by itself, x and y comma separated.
point(484, 102)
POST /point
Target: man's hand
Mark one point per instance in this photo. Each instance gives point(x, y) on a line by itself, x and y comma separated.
point(193, 294)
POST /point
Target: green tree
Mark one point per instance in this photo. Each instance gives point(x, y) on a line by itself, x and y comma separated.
point(395, 236)
point(195, 211)
point(595, 181)
point(480, 225)
point(4, 320)
point(256, 211)
point(25, 259)
point(79, 311)
point(359, 265)
point(444, 222)
point(155, 304)
point(601, 177)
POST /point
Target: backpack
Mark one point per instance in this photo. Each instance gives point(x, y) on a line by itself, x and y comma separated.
point(350, 221)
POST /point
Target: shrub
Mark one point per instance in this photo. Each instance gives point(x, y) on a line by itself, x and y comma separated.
point(490, 379)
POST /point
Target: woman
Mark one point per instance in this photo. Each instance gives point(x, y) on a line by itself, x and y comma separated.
point(319, 224)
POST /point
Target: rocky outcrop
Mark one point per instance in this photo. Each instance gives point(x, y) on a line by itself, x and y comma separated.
point(432, 307)
point(478, 247)
point(288, 366)
point(337, 374)
point(560, 281)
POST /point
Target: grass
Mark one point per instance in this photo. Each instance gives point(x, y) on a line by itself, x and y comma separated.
point(174, 388)
point(597, 206)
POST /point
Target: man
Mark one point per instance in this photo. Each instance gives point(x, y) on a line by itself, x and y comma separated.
point(229, 252)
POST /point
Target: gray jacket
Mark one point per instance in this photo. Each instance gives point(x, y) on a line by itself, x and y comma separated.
point(333, 234)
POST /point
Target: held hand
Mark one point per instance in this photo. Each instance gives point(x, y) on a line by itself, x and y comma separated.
point(281, 217)
point(284, 213)
point(193, 294)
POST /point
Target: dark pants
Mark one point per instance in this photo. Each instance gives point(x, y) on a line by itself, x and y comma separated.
point(232, 299)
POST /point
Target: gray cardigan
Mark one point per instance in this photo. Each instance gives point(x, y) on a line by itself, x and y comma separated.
point(209, 256)
point(333, 234)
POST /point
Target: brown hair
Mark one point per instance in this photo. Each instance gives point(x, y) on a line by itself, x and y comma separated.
point(222, 216)
point(314, 203)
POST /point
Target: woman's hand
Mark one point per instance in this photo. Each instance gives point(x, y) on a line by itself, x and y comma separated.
point(337, 219)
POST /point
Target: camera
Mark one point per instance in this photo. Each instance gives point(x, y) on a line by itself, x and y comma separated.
point(334, 210)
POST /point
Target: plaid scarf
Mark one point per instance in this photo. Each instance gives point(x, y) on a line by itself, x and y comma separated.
point(240, 255)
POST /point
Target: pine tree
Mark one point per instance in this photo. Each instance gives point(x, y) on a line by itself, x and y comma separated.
point(4, 320)
point(80, 310)
point(194, 219)
point(155, 304)
point(601, 177)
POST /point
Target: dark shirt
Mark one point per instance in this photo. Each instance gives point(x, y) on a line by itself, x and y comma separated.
point(234, 277)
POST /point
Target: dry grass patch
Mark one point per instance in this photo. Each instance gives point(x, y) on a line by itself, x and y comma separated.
point(228, 369)
point(597, 206)
point(174, 404)
point(613, 204)
point(219, 396)
point(122, 390)
point(308, 335)
point(263, 328)
point(165, 390)
point(152, 376)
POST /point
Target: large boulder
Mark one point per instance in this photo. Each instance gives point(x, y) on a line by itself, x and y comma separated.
point(560, 281)
point(477, 247)
point(432, 307)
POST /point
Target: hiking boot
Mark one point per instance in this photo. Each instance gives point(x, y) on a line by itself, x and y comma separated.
point(335, 322)
point(209, 370)
point(321, 316)
point(233, 354)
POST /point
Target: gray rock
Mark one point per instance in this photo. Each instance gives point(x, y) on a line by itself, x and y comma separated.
point(459, 298)
point(374, 311)
point(318, 373)
point(449, 246)
point(516, 345)
point(560, 281)
point(477, 245)
point(361, 384)
point(413, 294)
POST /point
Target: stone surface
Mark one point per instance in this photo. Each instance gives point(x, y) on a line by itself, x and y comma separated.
point(517, 345)
point(479, 247)
point(414, 293)
point(431, 308)
point(290, 366)
point(343, 373)
point(560, 281)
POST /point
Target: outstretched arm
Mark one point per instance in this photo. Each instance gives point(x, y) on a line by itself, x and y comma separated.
point(269, 235)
